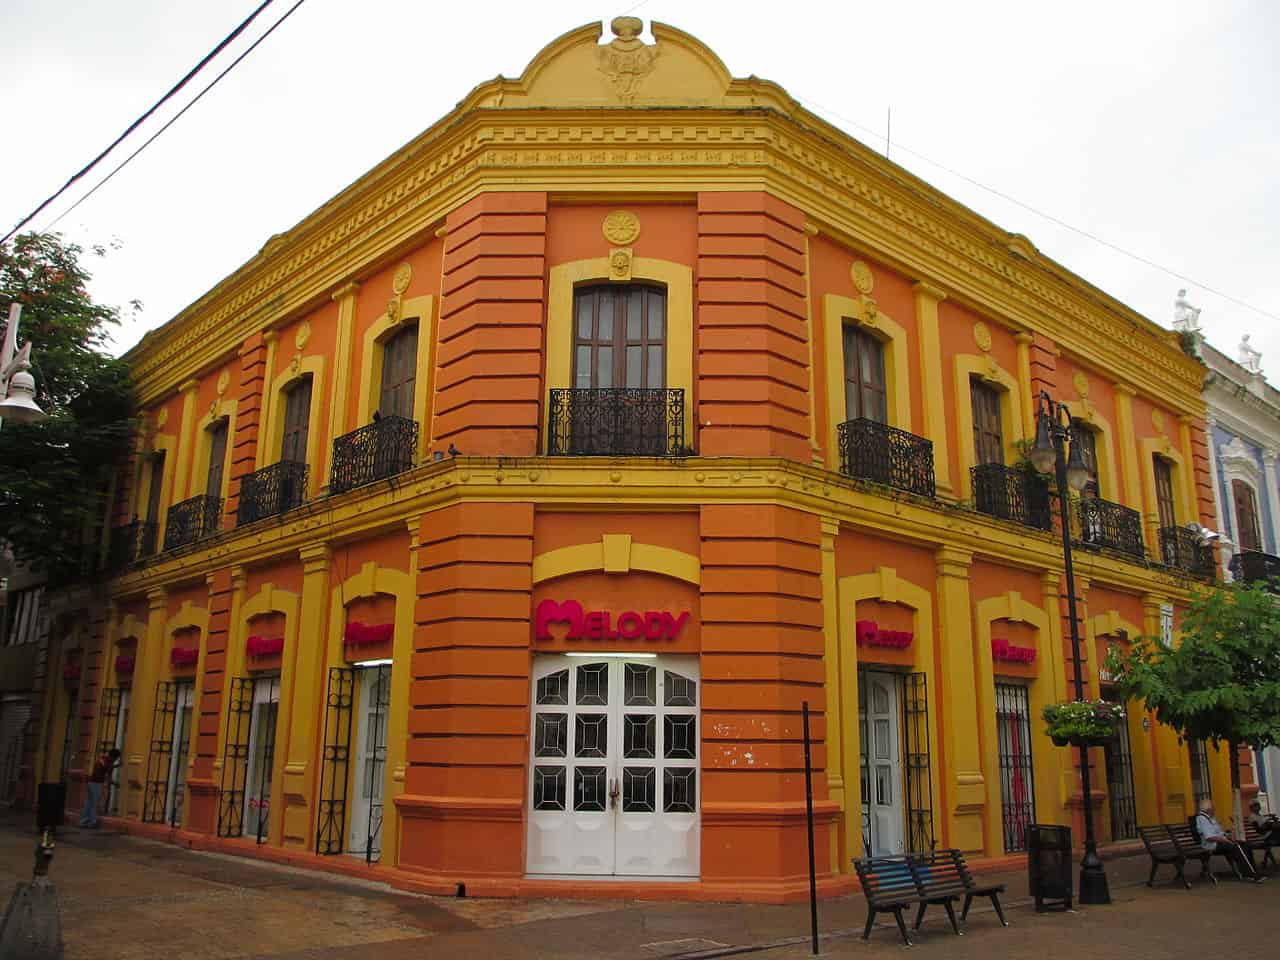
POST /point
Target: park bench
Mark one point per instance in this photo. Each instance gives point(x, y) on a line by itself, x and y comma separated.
point(973, 889)
point(1188, 839)
point(1253, 840)
point(1163, 849)
point(891, 884)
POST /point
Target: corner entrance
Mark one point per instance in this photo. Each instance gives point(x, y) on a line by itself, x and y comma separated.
point(613, 776)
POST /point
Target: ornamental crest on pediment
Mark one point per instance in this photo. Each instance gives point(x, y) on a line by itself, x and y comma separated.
point(626, 60)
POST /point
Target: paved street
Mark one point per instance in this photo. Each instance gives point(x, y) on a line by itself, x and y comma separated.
point(125, 898)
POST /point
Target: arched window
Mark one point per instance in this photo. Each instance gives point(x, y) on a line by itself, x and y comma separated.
point(399, 374)
point(1246, 507)
point(619, 337)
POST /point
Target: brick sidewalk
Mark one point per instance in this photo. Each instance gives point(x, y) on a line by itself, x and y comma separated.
point(125, 898)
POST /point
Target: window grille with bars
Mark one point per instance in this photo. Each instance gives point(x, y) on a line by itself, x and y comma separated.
point(1121, 795)
point(1201, 787)
point(1017, 776)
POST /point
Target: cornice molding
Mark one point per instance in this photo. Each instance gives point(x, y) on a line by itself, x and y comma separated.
point(846, 190)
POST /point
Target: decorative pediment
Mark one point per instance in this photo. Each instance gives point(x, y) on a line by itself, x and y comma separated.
point(1238, 461)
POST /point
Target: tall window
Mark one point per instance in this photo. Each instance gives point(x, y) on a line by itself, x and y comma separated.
point(619, 337)
point(155, 486)
point(1164, 491)
point(297, 417)
point(399, 374)
point(988, 433)
point(864, 386)
point(1088, 442)
point(1246, 516)
point(217, 458)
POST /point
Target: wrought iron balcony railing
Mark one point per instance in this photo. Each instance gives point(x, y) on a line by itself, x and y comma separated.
point(192, 520)
point(1249, 566)
point(1182, 550)
point(271, 491)
point(1011, 493)
point(1113, 526)
point(131, 543)
point(374, 452)
point(884, 454)
point(616, 422)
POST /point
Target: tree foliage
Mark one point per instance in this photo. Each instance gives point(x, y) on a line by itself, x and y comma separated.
point(54, 475)
point(1222, 681)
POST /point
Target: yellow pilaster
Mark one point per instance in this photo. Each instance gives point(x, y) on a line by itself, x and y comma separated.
point(1189, 480)
point(186, 439)
point(1128, 444)
point(234, 663)
point(966, 789)
point(931, 380)
point(148, 670)
point(1024, 341)
point(1170, 772)
point(300, 700)
point(815, 454)
point(837, 780)
point(344, 347)
point(272, 339)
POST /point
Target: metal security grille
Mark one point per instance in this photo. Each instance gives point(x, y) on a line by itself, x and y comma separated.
point(335, 761)
point(108, 721)
point(375, 760)
point(914, 693)
point(235, 757)
point(155, 790)
point(183, 716)
point(1017, 780)
point(1201, 788)
point(1012, 493)
point(1121, 795)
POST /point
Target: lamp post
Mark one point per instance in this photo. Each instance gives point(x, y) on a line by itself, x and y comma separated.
point(1049, 454)
point(17, 386)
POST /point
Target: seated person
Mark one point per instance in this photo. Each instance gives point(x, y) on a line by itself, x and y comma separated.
point(1267, 825)
point(1214, 838)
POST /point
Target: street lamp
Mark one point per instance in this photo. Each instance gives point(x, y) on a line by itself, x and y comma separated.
point(17, 386)
point(1049, 453)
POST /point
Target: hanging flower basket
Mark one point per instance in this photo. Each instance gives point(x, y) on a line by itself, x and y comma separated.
point(1088, 723)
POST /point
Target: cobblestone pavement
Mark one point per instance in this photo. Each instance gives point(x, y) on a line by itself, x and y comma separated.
point(124, 898)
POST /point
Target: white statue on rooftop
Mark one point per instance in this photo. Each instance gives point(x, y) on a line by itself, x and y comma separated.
point(1249, 357)
point(1186, 318)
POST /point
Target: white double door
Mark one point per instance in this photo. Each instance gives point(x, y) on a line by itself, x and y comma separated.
point(373, 701)
point(613, 775)
point(880, 720)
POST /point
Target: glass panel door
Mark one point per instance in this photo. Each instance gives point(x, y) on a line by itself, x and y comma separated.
point(373, 704)
point(184, 702)
point(262, 748)
point(881, 775)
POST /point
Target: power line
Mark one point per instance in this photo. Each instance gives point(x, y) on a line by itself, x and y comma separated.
point(142, 119)
point(196, 99)
point(1046, 216)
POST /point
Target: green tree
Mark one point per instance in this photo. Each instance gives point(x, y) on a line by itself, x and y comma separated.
point(1222, 681)
point(56, 474)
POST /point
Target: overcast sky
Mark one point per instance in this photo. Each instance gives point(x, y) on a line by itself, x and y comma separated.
point(1155, 126)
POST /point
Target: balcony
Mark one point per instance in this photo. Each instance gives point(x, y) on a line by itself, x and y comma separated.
point(271, 491)
point(883, 454)
point(374, 452)
point(1111, 526)
point(131, 543)
point(192, 520)
point(1012, 493)
point(1182, 550)
point(616, 422)
point(1250, 566)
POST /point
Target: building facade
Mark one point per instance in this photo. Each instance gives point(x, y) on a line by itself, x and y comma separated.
point(493, 527)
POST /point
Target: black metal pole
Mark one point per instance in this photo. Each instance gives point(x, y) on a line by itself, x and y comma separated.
point(808, 809)
point(1093, 877)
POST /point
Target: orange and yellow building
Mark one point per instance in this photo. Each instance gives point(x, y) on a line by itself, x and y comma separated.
point(491, 526)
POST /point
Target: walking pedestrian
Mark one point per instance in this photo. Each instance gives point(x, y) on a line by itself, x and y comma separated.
point(97, 781)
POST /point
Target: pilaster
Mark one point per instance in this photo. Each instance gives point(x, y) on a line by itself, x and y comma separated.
point(1127, 441)
point(1172, 774)
point(1024, 341)
point(931, 379)
point(344, 348)
point(837, 786)
point(1272, 495)
point(187, 428)
point(272, 340)
point(147, 672)
point(965, 788)
point(300, 700)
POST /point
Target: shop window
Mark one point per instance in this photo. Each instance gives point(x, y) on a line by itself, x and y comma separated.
point(297, 421)
point(620, 336)
point(399, 374)
point(864, 380)
point(988, 432)
point(1246, 507)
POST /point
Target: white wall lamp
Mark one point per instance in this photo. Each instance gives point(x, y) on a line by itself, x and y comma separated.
point(17, 386)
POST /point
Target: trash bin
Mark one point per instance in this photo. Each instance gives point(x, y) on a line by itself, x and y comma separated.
point(51, 805)
point(1049, 865)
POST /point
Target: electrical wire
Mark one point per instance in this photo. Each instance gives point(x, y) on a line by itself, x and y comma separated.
point(231, 66)
point(142, 119)
point(813, 104)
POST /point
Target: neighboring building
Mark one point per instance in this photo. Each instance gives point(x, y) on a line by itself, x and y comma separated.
point(496, 522)
point(1244, 421)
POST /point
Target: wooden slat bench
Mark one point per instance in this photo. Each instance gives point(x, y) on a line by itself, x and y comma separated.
point(1253, 840)
point(973, 889)
point(889, 885)
point(1188, 841)
point(938, 881)
point(1163, 849)
point(892, 884)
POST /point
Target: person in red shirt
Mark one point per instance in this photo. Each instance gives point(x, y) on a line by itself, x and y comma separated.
point(97, 783)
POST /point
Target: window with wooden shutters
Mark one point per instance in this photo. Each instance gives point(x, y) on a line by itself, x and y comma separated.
point(988, 433)
point(1164, 491)
point(620, 336)
point(297, 416)
point(399, 374)
point(1087, 440)
point(217, 458)
point(1246, 516)
point(864, 385)
point(155, 486)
